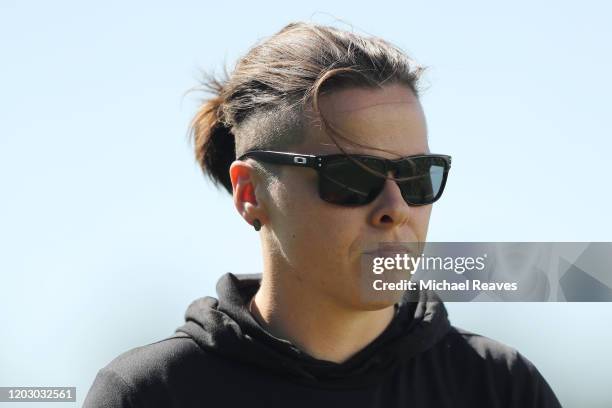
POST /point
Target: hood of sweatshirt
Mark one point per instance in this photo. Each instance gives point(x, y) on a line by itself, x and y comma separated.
point(226, 327)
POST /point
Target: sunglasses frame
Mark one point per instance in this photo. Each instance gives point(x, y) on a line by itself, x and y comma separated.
point(318, 162)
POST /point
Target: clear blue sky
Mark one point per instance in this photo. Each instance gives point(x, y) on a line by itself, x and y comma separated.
point(108, 229)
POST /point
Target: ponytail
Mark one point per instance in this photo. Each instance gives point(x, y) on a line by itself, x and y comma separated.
point(214, 143)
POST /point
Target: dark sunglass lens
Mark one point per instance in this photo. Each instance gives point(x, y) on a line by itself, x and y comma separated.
point(344, 182)
point(426, 179)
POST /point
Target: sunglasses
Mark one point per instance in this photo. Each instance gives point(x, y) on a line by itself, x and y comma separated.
point(344, 180)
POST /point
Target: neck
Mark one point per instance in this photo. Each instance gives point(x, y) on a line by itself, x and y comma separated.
point(314, 324)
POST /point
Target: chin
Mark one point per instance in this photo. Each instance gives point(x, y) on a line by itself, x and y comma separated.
point(378, 301)
point(364, 299)
point(381, 291)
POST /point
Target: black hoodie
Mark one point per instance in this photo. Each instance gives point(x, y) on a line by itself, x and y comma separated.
point(221, 357)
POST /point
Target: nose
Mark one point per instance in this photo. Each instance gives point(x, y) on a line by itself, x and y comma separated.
point(390, 209)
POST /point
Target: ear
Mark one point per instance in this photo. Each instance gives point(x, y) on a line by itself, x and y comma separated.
point(244, 186)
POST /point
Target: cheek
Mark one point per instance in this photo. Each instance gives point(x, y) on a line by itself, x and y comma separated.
point(421, 221)
point(312, 230)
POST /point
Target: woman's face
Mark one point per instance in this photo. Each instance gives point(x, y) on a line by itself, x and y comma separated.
point(319, 244)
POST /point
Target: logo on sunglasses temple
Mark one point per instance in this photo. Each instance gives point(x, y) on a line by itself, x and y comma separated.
point(299, 160)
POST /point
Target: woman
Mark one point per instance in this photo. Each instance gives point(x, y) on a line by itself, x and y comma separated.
point(319, 136)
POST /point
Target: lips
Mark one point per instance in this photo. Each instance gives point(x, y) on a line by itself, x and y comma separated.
point(392, 248)
point(389, 251)
point(388, 254)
